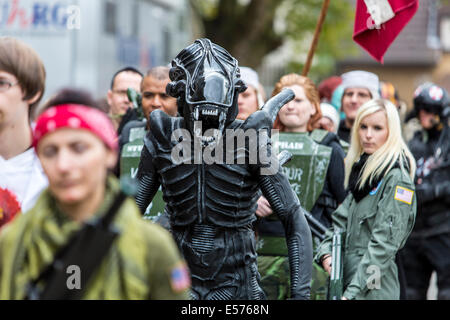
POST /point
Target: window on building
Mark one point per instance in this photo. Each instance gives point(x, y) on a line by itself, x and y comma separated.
point(182, 17)
point(167, 40)
point(110, 23)
point(135, 19)
point(445, 33)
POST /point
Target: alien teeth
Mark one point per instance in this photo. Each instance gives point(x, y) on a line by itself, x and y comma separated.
point(210, 112)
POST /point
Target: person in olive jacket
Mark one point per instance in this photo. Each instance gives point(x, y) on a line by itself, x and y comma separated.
point(379, 212)
point(77, 146)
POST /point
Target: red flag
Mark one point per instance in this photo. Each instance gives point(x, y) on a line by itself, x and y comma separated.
point(377, 39)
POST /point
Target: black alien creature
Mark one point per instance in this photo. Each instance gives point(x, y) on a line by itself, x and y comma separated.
point(211, 196)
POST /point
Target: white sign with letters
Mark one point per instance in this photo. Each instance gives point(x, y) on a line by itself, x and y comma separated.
point(380, 11)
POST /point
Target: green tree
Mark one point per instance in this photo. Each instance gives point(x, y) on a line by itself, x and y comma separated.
point(250, 29)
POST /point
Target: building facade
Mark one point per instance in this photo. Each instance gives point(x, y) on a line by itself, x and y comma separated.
point(83, 42)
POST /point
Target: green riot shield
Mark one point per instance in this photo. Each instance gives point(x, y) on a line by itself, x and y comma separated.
point(318, 135)
point(137, 134)
point(306, 173)
point(308, 168)
point(129, 164)
point(344, 145)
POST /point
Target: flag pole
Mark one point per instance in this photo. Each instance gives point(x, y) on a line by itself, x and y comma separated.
point(312, 49)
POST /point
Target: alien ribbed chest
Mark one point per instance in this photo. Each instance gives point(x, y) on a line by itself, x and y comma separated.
point(216, 192)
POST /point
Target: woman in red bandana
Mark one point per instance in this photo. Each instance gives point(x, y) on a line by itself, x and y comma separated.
point(77, 145)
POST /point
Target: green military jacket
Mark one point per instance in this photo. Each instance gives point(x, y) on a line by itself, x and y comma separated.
point(143, 262)
point(375, 229)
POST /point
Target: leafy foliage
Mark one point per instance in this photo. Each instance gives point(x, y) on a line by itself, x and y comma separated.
point(250, 29)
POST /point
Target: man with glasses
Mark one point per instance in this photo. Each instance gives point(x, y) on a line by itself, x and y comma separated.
point(22, 84)
point(123, 79)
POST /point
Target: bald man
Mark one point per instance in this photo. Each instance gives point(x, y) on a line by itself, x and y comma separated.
point(154, 96)
point(153, 89)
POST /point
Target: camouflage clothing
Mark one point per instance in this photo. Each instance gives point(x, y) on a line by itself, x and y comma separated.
point(142, 263)
point(274, 271)
point(275, 276)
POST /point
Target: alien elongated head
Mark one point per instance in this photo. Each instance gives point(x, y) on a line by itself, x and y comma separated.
point(206, 80)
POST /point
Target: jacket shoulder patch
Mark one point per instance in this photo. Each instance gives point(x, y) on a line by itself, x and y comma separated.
point(403, 194)
point(180, 279)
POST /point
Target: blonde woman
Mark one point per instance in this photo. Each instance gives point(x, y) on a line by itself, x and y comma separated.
point(379, 212)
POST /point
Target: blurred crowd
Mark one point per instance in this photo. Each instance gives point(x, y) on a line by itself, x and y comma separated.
point(61, 161)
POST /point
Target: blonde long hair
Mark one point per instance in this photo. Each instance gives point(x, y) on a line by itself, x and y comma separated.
point(393, 150)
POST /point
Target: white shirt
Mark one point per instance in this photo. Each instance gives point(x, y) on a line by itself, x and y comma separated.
point(24, 177)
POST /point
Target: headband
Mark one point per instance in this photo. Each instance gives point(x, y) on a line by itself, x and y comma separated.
point(76, 116)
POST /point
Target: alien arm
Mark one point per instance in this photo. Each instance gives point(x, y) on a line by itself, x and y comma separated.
point(285, 204)
point(148, 178)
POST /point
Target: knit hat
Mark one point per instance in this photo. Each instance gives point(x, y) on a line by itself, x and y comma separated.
point(327, 87)
point(362, 79)
point(250, 77)
point(330, 112)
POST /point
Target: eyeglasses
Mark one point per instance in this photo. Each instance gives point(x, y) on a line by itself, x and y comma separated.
point(5, 85)
point(120, 92)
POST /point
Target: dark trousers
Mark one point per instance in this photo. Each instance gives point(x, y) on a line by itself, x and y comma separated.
point(421, 256)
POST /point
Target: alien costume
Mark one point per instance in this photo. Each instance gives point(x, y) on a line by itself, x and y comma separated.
point(211, 204)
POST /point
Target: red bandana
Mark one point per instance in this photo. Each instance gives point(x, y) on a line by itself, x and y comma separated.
point(76, 116)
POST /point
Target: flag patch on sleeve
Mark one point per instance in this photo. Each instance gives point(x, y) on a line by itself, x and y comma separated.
point(180, 278)
point(403, 194)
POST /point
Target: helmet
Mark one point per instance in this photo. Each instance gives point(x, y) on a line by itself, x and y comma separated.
point(431, 98)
